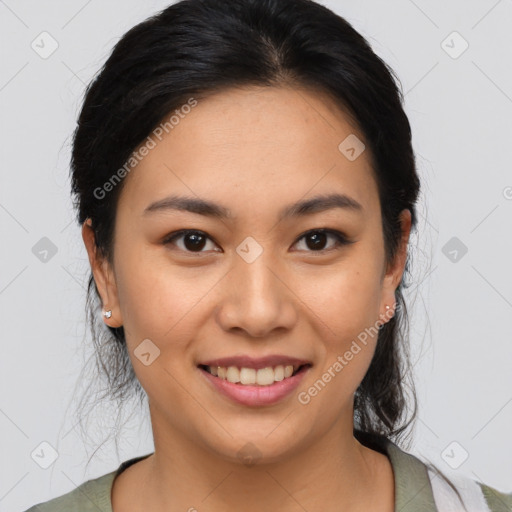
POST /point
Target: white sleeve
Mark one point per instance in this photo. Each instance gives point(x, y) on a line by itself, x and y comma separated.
point(447, 500)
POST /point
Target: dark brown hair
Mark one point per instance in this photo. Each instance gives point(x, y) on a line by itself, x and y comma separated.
point(195, 48)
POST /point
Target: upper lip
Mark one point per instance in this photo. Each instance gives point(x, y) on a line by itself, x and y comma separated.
point(256, 362)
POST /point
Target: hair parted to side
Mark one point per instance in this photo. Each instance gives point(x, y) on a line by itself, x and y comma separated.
point(195, 48)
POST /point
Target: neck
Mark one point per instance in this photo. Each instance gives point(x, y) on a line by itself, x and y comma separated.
point(335, 473)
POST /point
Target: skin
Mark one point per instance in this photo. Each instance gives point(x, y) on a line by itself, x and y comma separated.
point(253, 150)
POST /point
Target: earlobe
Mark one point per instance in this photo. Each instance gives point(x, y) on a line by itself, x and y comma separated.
point(103, 277)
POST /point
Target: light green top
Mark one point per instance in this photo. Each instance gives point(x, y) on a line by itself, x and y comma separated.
point(413, 488)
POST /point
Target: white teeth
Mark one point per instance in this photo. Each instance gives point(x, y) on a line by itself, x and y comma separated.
point(265, 376)
point(288, 370)
point(249, 376)
point(233, 375)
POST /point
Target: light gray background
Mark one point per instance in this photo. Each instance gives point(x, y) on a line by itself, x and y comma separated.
point(460, 110)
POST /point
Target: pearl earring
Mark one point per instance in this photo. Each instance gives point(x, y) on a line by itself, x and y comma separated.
point(107, 314)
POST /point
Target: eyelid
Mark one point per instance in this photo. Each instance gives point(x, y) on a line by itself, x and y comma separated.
point(176, 234)
point(341, 239)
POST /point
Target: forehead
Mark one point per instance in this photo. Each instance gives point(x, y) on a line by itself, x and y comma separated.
point(255, 144)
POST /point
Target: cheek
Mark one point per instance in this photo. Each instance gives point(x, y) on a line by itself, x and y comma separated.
point(346, 297)
point(346, 307)
point(158, 304)
point(161, 301)
point(345, 301)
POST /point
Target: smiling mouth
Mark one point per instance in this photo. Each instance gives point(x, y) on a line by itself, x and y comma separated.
point(252, 377)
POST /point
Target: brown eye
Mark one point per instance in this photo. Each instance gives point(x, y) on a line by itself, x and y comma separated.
point(316, 240)
point(193, 241)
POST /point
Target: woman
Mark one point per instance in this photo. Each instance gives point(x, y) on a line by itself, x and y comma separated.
point(246, 186)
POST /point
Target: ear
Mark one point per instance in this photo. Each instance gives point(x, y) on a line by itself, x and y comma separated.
point(103, 276)
point(395, 269)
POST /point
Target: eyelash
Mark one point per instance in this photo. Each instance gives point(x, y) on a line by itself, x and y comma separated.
point(341, 239)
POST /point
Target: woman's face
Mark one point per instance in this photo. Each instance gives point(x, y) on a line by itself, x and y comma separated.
point(254, 283)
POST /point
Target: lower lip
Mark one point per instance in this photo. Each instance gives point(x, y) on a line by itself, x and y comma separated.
point(256, 395)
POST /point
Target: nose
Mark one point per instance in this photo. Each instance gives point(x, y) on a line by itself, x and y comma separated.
point(257, 299)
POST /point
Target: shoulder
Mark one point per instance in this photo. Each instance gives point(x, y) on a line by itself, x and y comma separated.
point(93, 495)
point(421, 485)
point(451, 489)
point(497, 501)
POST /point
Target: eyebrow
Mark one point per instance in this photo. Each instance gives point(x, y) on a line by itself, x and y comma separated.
point(210, 209)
